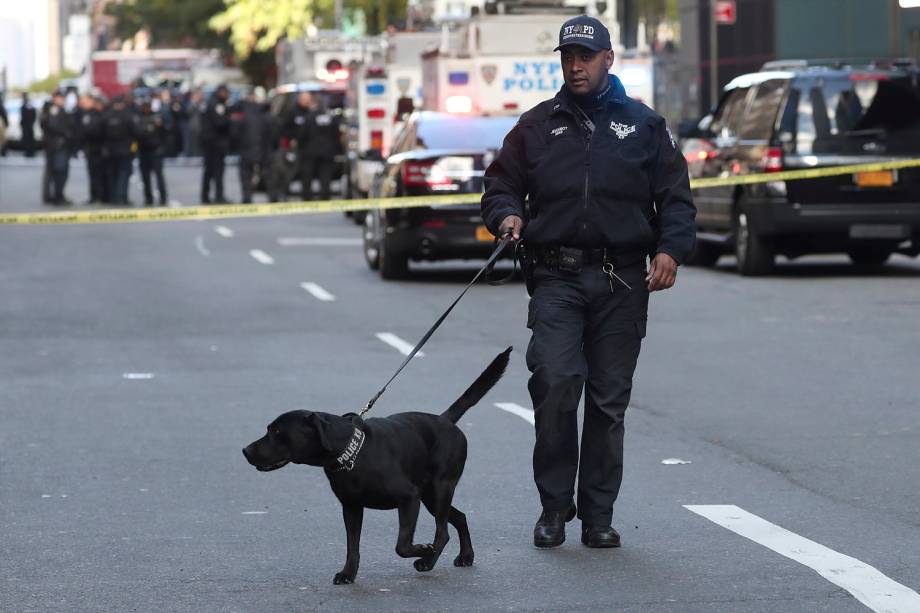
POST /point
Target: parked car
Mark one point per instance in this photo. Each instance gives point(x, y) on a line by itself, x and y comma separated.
point(282, 99)
point(801, 114)
point(433, 154)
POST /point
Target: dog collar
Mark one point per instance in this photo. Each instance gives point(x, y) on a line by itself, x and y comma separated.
point(346, 460)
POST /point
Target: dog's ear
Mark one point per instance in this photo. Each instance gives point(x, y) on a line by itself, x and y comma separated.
point(320, 425)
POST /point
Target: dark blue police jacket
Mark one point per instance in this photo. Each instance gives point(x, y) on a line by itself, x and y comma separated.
point(623, 187)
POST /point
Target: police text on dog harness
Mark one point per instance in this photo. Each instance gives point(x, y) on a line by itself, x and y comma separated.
point(346, 461)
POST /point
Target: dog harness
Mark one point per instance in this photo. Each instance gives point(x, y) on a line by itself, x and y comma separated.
point(346, 460)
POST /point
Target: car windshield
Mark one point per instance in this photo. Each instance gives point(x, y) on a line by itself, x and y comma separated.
point(459, 132)
point(870, 106)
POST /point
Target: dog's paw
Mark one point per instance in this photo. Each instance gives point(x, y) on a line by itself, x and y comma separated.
point(423, 565)
point(464, 559)
point(343, 578)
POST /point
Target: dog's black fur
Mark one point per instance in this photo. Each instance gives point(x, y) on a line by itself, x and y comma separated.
point(405, 459)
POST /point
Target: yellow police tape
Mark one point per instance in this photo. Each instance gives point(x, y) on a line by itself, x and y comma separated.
point(325, 206)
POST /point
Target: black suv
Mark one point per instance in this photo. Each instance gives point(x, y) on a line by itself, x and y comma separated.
point(795, 115)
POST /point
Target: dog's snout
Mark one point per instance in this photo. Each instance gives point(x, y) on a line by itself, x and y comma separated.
point(246, 454)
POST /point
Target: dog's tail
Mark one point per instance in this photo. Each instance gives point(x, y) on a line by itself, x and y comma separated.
point(480, 386)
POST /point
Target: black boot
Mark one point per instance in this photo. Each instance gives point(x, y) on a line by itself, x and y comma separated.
point(550, 529)
point(600, 537)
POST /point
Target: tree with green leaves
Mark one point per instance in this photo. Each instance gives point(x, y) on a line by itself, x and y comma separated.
point(258, 25)
point(183, 23)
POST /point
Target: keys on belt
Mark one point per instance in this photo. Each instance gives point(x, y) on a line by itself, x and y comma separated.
point(611, 275)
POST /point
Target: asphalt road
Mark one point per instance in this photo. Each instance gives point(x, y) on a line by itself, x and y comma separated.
point(137, 360)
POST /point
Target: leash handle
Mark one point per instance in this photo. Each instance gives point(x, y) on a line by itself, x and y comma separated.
point(502, 243)
point(506, 235)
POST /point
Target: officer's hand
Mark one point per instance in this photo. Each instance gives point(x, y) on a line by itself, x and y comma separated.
point(513, 223)
point(662, 273)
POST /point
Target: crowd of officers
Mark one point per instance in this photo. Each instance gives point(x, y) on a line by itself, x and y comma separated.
point(273, 151)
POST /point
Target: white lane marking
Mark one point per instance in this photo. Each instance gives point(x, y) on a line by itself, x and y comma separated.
point(262, 257)
point(516, 409)
point(254, 512)
point(672, 461)
point(224, 231)
point(306, 241)
point(199, 243)
point(317, 292)
point(864, 582)
point(137, 375)
point(399, 344)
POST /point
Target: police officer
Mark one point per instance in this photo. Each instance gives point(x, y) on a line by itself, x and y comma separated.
point(215, 141)
point(120, 133)
point(4, 124)
point(297, 131)
point(172, 112)
point(319, 151)
point(153, 134)
point(60, 136)
point(607, 188)
point(27, 117)
point(92, 137)
point(255, 132)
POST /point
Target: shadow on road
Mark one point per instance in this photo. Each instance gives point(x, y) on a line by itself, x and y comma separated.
point(896, 267)
point(457, 272)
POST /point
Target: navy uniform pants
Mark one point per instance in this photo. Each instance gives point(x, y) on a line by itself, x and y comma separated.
point(584, 337)
point(151, 163)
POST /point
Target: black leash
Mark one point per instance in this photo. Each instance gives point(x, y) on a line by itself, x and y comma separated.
point(490, 263)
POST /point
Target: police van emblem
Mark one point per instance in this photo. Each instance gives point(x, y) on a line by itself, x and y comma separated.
point(621, 129)
point(488, 72)
point(559, 130)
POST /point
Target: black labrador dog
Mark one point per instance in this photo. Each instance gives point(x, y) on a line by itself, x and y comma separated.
point(385, 463)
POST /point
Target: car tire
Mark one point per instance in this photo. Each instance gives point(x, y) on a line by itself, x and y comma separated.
point(704, 254)
point(371, 240)
point(869, 258)
point(753, 250)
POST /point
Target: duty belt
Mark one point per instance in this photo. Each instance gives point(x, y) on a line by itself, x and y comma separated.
point(573, 260)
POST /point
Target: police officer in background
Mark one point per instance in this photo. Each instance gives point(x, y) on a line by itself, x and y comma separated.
point(297, 131)
point(59, 129)
point(172, 112)
point(255, 134)
point(153, 135)
point(92, 139)
point(215, 141)
point(319, 151)
point(120, 132)
point(27, 117)
point(607, 188)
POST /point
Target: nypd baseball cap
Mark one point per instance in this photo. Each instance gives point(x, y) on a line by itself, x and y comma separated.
point(585, 31)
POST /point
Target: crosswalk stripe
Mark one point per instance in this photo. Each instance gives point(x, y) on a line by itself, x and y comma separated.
point(317, 291)
point(399, 344)
point(864, 582)
point(516, 409)
point(262, 257)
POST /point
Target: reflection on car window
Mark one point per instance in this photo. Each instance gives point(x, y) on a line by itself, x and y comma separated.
point(726, 118)
point(761, 115)
point(447, 132)
point(833, 112)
